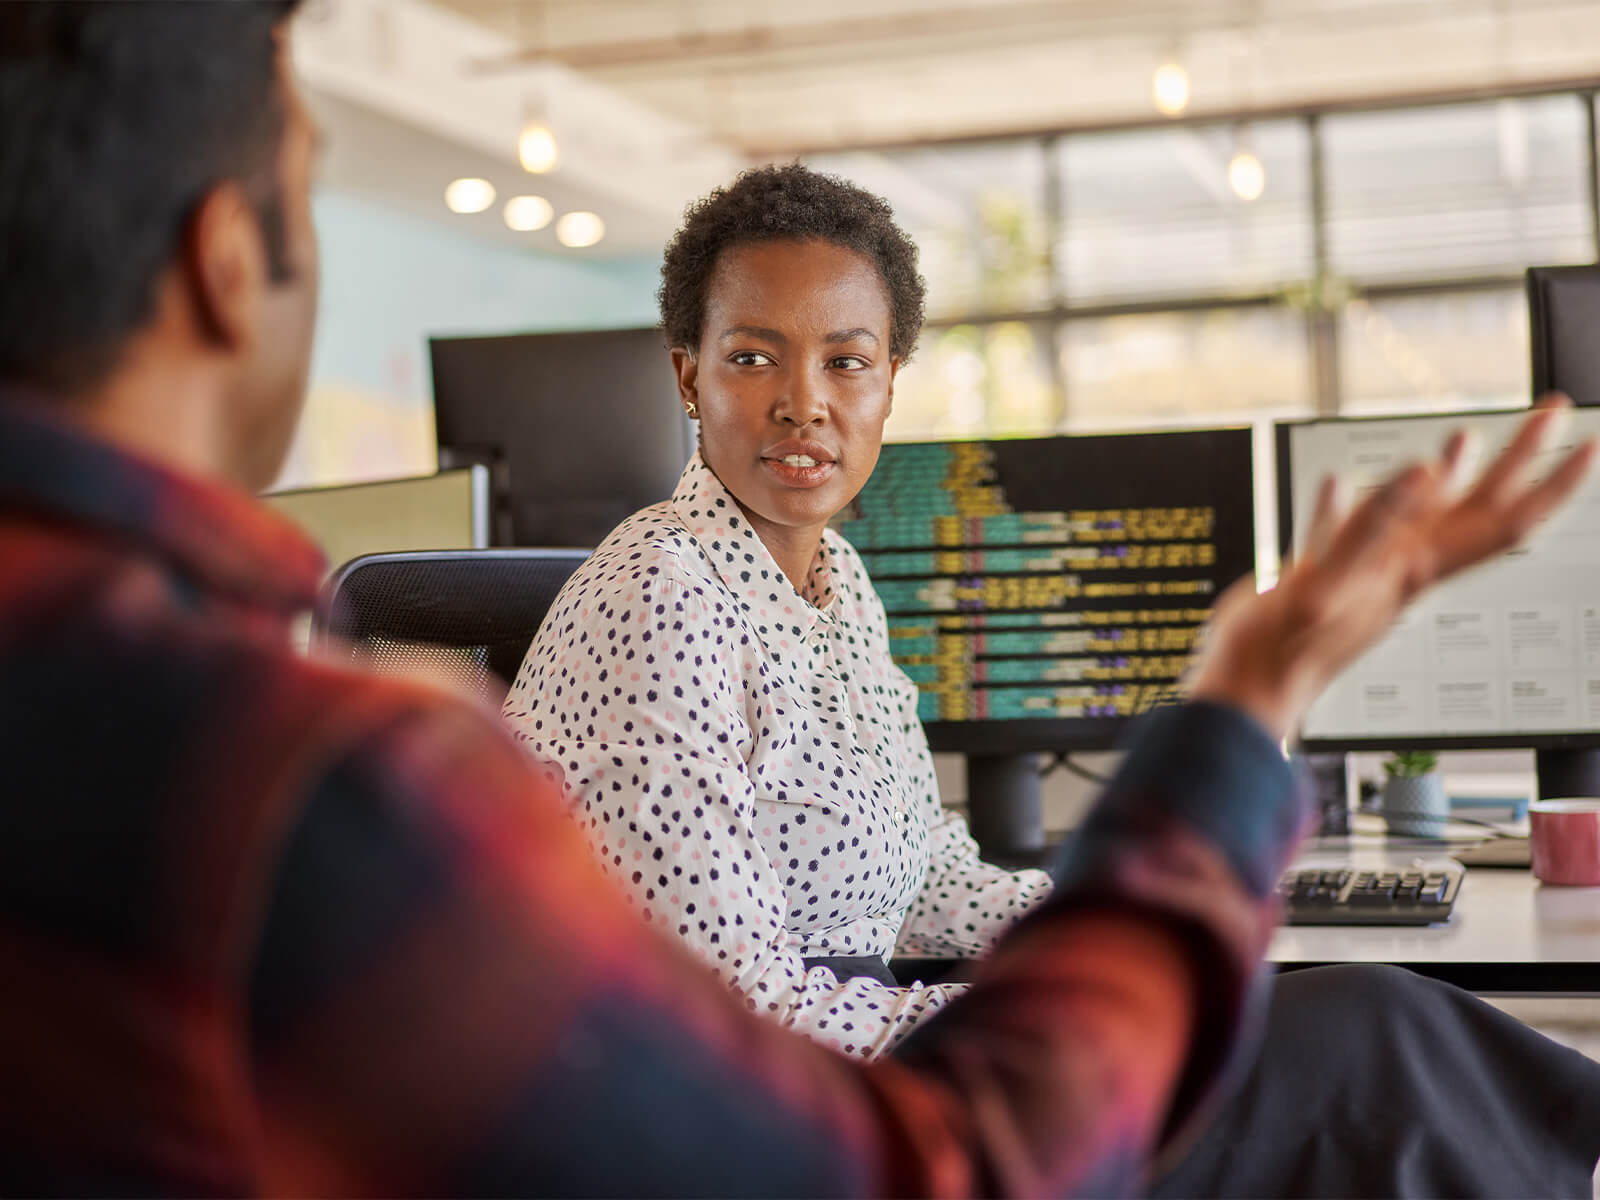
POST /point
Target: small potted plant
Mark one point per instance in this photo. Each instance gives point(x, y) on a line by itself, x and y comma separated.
point(1414, 799)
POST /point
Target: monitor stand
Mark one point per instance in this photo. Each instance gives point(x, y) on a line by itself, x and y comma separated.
point(1567, 773)
point(1004, 808)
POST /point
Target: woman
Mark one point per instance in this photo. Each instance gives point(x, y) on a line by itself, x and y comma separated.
point(715, 685)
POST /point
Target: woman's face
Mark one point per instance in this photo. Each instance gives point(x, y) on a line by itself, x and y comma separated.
point(792, 381)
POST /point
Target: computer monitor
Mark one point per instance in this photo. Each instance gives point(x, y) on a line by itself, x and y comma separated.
point(447, 511)
point(579, 429)
point(1504, 655)
point(1042, 592)
point(1564, 331)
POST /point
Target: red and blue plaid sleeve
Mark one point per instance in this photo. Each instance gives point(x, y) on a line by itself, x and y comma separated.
point(448, 997)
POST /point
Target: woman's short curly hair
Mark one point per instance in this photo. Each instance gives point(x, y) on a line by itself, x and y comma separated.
point(778, 203)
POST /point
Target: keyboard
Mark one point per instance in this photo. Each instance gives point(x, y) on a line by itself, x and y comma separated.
point(1421, 892)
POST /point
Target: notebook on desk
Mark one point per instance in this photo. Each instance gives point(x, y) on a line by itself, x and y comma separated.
point(1495, 852)
point(1473, 842)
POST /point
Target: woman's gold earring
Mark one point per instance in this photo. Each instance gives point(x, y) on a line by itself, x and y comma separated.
point(691, 409)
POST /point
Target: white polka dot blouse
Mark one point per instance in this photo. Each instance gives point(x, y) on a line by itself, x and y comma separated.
point(748, 764)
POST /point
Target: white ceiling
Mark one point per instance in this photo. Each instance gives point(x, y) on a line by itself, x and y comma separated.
point(407, 111)
point(405, 169)
point(773, 77)
point(655, 101)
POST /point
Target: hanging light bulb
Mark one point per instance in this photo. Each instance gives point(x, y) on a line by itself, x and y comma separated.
point(1169, 88)
point(580, 229)
point(536, 148)
point(469, 195)
point(528, 213)
point(536, 144)
point(1246, 176)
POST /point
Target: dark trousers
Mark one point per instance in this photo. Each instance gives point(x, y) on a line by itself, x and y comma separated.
point(1373, 1081)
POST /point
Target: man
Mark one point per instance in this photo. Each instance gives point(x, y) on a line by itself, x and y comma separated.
point(269, 926)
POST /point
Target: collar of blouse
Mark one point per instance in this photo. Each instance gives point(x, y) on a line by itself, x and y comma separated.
point(742, 562)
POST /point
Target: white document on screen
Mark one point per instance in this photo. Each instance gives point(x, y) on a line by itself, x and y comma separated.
point(1511, 647)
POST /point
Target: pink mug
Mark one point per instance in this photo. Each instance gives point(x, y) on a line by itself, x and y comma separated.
point(1564, 838)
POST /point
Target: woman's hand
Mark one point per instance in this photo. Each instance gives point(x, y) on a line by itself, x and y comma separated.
point(1271, 654)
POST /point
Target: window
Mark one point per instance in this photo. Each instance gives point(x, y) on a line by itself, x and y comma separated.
point(977, 213)
point(1457, 191)
point(1435, 353)
point(1173, 368)
point(1130, 279)
point(1153, 213)
point(971, 380)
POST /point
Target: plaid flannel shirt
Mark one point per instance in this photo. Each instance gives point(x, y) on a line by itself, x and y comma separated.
point(268, 926)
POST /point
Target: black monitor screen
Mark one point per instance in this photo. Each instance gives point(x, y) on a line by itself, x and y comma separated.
point(1504, 655)
point(580, 429)
point(1564, 331)
point(1043, 591)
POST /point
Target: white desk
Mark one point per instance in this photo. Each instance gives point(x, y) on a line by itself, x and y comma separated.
point(1509, 934)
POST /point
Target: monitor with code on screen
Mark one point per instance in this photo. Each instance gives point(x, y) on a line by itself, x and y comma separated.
point(1041, 592)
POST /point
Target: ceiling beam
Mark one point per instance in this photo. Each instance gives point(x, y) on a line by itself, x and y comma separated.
point(770, 38)
point(690, 49)
point(1372, 102)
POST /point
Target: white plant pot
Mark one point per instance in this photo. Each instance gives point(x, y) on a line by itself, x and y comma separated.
point(1416, 807)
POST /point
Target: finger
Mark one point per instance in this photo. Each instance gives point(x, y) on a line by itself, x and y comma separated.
point(1552, 491)
point(1536, 433)
point(1380, 514)
point(1332, 499)
point(1235, 596)
point(1460, 460)
point(1471, 542)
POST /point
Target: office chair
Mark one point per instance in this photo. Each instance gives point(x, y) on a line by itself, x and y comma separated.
point(467, 616)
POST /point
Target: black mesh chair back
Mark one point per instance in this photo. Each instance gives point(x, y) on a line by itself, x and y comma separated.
point(467, 616)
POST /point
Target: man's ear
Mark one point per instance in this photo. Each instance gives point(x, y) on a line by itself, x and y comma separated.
point(225, 267)
point(687, 368)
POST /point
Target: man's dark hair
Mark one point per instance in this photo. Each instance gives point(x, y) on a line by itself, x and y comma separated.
point(116, 118)
point(780, 203)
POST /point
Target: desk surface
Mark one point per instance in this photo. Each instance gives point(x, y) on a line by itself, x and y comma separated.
point(1508, 933)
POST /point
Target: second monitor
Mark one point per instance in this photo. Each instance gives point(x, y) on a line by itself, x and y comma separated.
point(1504, 655)
point(579, 429)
